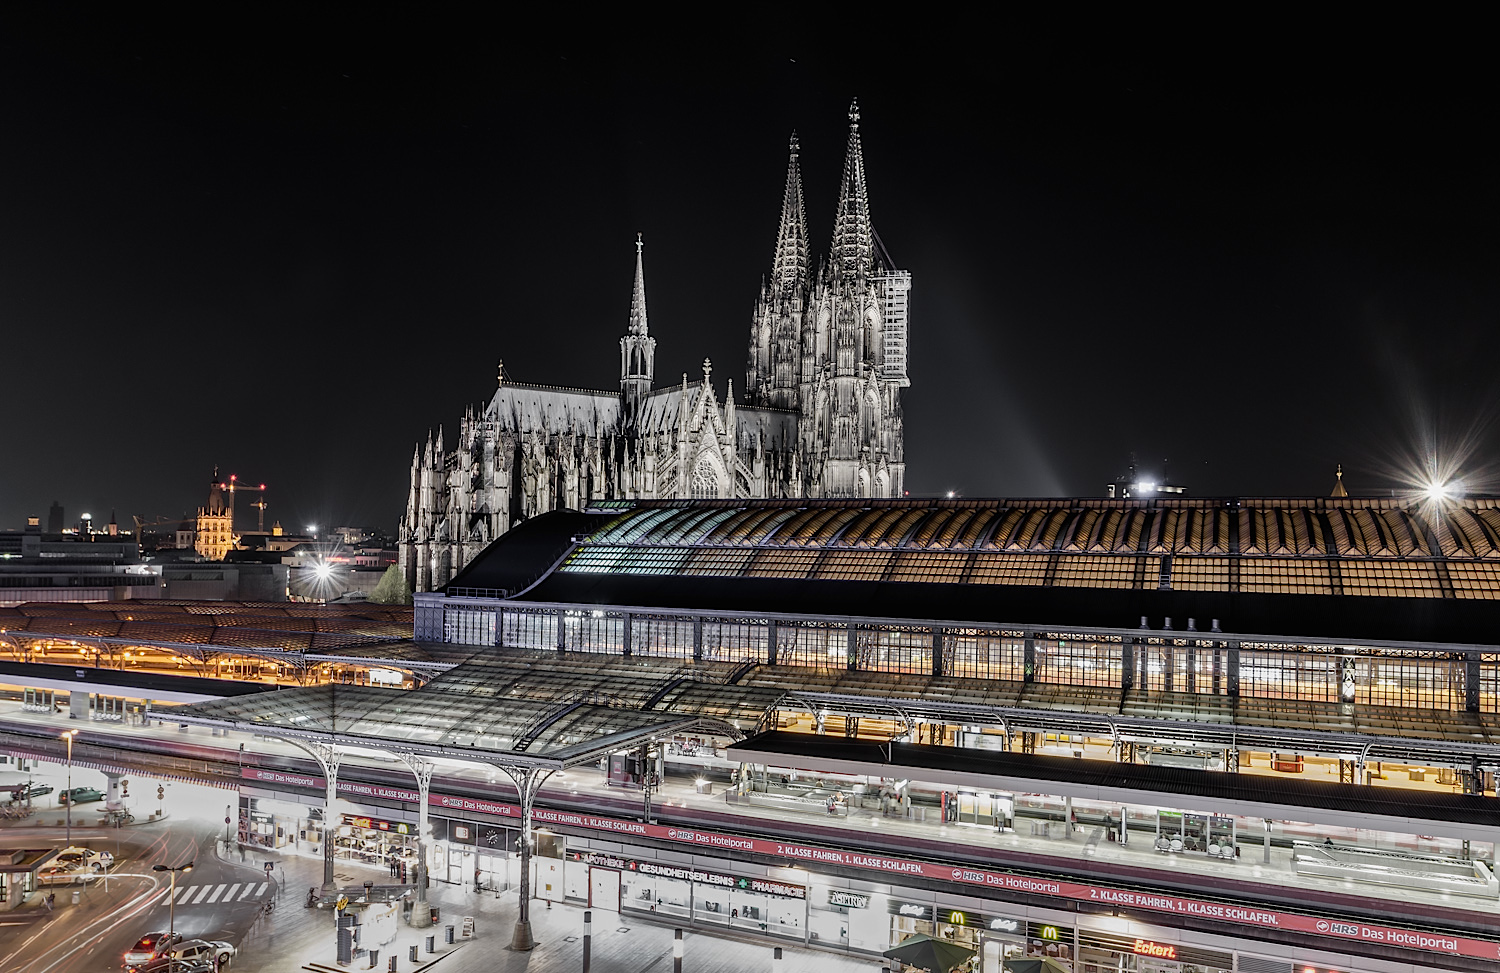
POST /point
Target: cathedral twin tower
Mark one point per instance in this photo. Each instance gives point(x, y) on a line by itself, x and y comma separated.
point(821, 418)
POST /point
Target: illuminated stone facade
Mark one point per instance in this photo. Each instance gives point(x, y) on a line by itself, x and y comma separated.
point(821, 418)
point(214, 534)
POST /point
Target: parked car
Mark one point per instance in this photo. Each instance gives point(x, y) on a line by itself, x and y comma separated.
point(214, 952)
point(85, 859)
point(61, 874)
point(148, 949)
point(28, 791)
point(80, 795)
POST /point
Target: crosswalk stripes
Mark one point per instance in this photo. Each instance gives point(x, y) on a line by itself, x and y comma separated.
point(211, 894)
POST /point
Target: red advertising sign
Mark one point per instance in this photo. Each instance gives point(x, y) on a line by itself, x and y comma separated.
point(1150, 901)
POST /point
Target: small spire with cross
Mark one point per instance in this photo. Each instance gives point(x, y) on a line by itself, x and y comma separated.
point(500, 373)
point(708, 369)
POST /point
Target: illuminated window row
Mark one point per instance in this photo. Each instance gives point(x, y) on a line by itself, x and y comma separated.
point(718, 562)
point(782, 564)
point(935, 566)
point(529, 630)
point(854, 565)
point(1016, 569)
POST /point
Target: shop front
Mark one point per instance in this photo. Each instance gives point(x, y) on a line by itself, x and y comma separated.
point(269, 823)
point(609, 882)
point(375, 841)
point(1100, 953)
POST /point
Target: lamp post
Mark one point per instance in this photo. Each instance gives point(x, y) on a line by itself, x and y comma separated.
point(172, 894)
point(69, 737)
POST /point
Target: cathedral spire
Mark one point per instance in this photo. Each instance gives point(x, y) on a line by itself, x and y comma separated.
point(790, 265)
point(638, 295)
point(637, 348)
point(853, 235)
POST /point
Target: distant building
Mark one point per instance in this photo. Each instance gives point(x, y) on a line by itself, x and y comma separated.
point(55, 518)
point(1138, 486)
point(38, 566)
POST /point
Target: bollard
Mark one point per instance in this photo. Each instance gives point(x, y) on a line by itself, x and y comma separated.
point(588, 923)
point(432, 944)
point(374, 958)
point(448, 934)
point(390, 965)
point(677, 951)
point(776, 960)
point(412, 956)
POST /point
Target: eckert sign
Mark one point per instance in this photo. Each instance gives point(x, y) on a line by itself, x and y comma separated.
point(1149, 901)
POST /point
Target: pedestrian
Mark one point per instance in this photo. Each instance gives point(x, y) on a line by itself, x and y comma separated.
point(51, 898)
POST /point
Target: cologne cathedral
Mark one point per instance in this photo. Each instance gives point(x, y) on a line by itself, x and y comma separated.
point(821, 415)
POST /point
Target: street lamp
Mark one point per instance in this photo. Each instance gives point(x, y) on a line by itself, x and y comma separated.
point(172, 894)
point(69, 737)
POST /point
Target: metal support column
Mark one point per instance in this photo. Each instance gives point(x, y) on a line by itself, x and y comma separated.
point(528, 781)
point(327, 755)
point(1232, 670)
point(1028, 658)
point(771, 641)
point(937, 651)
point(697, 639)
point(625, 637)
point(421, 916)
point(1127, 664)
point(1471, 682)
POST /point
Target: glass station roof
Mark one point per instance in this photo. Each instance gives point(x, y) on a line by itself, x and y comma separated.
point(1327, 546)
point(558, 709)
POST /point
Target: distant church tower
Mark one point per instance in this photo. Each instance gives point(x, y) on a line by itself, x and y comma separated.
point(822, 412)
point(214, 536)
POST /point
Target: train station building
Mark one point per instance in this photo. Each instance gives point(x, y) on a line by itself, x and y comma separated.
point(1137, 735)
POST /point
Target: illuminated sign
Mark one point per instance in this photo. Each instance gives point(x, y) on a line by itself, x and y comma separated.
point(913, 910)
point(1144, 947)
point(957, 918)
point(1053, 933)
point(1005, 925)
point(849, 900)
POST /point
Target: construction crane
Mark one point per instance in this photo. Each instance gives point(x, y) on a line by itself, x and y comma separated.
point(234, 486)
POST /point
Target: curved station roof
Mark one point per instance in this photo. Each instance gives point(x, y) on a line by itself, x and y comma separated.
point(1331, 567)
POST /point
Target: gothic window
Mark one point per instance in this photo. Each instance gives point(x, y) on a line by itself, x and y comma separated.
point(705, 481)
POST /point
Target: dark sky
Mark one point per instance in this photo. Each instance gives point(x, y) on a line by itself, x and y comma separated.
point(1251, 262)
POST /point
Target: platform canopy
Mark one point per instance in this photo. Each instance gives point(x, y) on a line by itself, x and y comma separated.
point(471, 712)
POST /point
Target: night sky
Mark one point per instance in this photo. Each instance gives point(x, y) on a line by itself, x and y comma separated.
point(1243, 265)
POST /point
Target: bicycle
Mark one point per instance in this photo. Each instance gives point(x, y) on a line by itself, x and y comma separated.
point(268, 908)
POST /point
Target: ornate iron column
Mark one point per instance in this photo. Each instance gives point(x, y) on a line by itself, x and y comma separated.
point(528, 781)
point(327, 755)
point(421, 916)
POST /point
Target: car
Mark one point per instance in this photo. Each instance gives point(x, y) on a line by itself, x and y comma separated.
point(80, 795)
point(27, 791)
point(168, 964)
point(149, 948)
point(85, 859)
point(214, 952)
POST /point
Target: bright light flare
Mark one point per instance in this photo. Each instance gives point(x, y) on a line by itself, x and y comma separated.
point(323, 571)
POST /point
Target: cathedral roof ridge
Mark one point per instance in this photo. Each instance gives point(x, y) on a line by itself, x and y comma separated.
point(561, 388)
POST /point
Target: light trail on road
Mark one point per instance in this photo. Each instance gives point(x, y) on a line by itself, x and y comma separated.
point(131, 908)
